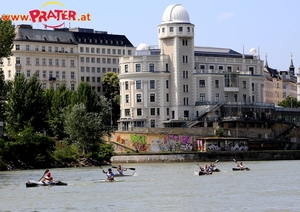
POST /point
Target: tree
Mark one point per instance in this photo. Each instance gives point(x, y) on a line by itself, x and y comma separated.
point(3, 92)
point(60, 100)
point(25, 105)
point(111, 86)
point(289, 102)
point(7, 35)
point(86, 95)
point(84, 128)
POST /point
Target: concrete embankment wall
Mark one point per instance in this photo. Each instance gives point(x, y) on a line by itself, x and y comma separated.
point(207, 156)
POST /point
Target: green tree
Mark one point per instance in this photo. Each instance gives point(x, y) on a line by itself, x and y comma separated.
point(86, 95)
point(289, 102)
point(7, 35)
point(60, 100)
point(111, 86)
point(3, 92)
point(84, 128)
point(25, 105)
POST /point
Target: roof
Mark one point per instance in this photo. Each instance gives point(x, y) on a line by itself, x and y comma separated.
point(175, 13)
point(102, 39)
point(219, 52)
point(43, 35)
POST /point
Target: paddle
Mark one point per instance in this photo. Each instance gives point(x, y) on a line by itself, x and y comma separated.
point(115, 167)
point(43, 175)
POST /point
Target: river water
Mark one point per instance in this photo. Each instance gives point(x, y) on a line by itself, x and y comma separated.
point(269, 186)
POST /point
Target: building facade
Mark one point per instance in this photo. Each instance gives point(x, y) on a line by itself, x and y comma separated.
point(65, 56)
point(183, 83)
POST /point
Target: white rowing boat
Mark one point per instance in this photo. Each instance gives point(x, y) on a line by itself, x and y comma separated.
point(108, 181)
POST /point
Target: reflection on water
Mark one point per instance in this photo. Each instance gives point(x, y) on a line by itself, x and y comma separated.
point(269, 186)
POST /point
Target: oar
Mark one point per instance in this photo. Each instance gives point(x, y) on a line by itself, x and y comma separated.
point(115, 167)
point(246, 168)
point(43, 175)
point(216, 161)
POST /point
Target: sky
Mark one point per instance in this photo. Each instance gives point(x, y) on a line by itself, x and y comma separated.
point(270, 26)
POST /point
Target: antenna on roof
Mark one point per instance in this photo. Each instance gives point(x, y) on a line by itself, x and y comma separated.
point(258, 53)
point(243, 52)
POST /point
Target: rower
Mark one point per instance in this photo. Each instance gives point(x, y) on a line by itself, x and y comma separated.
point(110, 175)
point(120, 170)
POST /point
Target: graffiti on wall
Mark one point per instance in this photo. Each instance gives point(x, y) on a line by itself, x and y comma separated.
point(171, 143)
point(139, 142)
point(229, 147)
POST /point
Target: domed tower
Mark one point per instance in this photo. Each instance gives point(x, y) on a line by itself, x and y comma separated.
point(176, 39)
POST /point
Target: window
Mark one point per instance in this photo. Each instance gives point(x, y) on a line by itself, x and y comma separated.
point(202, 83)
point(152, 111)
point(188, 29)
point(127, 98)
point(202, 97)
point(56, 62)
point(152, 84)
point(98, 70)
point(226, 98)
point(72, 63)
point(244, 84)
point(36, 48)
point(126, 85)
point(27, 60)
point(57, 74)
point(171, 29)
point(98, 50)
point(185, 88)
point(93, 69)
point(126, 68)
point(167, 97)
point(37, 73)
point(163, 30)
point(92, 60)
point(92, 50)
point(103, 70)
point(50, 62)
point(139, 98)
point(44, 74)
point(87, 59)
point(151, 67)
point(167, 67)
point(252, 86)
point(139, 112)
point(81, 69)
point(114, 61)
point(88, 79)
point(138, 84)
point(37, 61)
point(93, 79)
point(18, 60)
point(43, 48)
point(49, 48)
point(202, 67)
point(244, 97)
point(87, 50)
point(180, 29)
point(9, 73)
point(43, 61)
point(63, 75)
point(185, 74)
point(103, 60)
point(251, 69)
point(137, 67)
point(221, 67)
point(217, 98)
point(216, 83)
point(72, 87)
point(168, 111)
point(71, 50)
point(82, 79)
point(28, 73)
point(27, 48)
point(127, 112)
point(108, 51)
point(87, 69)
point(167, 83)
point(18, 72)
point(72, 75)
point(235, 97)
point(184, 59)
point(57, 85)
point(98, 60)
point(44, 85)
point(103, 51)
point(17, 47)
point(157, 111)
point(229, 68)
point(108, 61)
point(81, 49)
point(152, 97)
point(211, 67)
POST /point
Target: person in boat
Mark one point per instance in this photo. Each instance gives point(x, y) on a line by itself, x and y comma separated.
point(109, 174)
point(47, 178)
point(120, 170)
point(241, 166)
point(211, 167)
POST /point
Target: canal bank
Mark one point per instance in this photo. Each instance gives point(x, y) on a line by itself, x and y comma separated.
point(206, 156)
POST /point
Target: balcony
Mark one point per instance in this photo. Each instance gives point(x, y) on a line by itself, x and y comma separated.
point(18, 66)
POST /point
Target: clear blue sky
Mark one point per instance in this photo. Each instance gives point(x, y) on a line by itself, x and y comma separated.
point(271, 25)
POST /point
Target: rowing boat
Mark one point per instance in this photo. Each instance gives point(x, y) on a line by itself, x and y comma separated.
point(123, 175)
point(108, 181)
point(33, 183)
point(204, 173)
point(239, 169)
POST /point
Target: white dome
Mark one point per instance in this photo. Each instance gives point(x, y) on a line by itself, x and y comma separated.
point(176, 13)
point(142, 47)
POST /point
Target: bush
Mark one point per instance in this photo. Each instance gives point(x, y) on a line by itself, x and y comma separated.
point(65, 152)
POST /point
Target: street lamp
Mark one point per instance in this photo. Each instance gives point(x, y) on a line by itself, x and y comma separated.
point(111, 121)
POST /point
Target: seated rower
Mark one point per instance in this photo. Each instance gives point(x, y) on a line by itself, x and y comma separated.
point(47, 178)
point(109, 174)
point(120, 170)
point(241, 166)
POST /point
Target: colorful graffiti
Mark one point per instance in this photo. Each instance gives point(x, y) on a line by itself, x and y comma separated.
point(139, 142)
point(171, 143)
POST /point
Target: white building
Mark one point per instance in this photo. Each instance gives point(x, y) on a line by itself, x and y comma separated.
point(66, 56)
point(184, 82)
